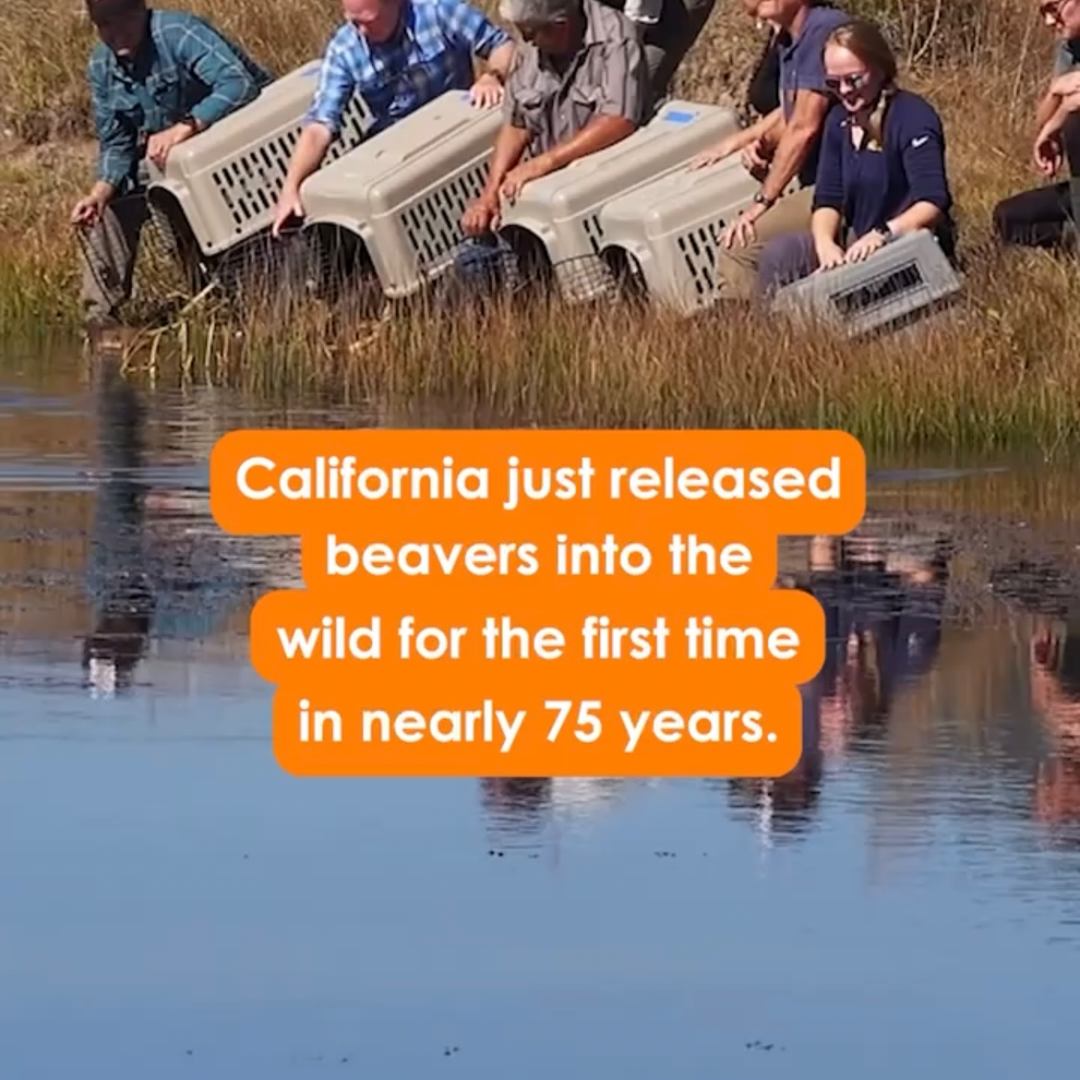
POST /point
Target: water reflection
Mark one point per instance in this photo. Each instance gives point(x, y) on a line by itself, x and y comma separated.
point(1055, 695)
point(926, 846)
point(122, 599)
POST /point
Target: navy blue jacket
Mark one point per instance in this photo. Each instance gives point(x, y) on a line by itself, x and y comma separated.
point(869, 187)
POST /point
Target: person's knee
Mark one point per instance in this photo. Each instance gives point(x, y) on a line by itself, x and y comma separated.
point(784, 260)
point(1001, 220)
point(1008, 221)
point(1070, 140)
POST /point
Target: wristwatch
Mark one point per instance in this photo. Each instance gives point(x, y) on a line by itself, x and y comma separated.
point(761, 199)
point(886, 233)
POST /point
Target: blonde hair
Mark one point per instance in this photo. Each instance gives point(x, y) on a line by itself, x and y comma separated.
point(865, 40)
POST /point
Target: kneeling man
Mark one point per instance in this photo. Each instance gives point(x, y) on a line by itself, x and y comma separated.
point(579, 84)
point(157, 78)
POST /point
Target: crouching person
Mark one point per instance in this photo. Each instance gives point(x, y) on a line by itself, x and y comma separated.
point(579, 84)
point(157, 78)
point(781, 148)
point(881, 172)
point(397, 55)
point(1045, 217)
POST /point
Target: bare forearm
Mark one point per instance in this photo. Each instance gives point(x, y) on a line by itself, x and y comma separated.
point(597, 135)
point(1046, 109)
point(786, 162)
point(923, 215)
point(102, 192)
point(765, 128)
point(310, 150)
point(824, 225)
point(509, 146)
point(500, 60)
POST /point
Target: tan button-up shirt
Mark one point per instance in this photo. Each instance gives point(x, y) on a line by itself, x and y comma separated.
point(607, 77)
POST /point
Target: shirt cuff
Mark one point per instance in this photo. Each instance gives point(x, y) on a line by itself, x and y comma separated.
point(328, 121)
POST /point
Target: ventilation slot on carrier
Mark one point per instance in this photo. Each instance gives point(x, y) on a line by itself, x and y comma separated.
point(879, 290)
point(250, 184)
point(433, 225)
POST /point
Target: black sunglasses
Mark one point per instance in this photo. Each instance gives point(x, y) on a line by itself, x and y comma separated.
point(856, 82)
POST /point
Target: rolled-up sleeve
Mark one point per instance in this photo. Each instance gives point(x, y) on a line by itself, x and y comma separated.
point(829, 184)
point(333, 90)
point(923, 155)
point(210, 57)
point(118, 152)
point(624, 84)
point(469, 27)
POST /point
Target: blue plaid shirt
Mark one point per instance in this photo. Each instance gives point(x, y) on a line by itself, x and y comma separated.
point(431, 54)
point(184, 68)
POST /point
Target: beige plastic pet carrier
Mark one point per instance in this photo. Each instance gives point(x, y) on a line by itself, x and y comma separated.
point(403, 193)
point(563, 210)
point(907, 279)
point(226, 180)
point(667, 233)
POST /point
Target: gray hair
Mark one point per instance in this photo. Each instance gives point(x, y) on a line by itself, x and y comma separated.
point(538, 12)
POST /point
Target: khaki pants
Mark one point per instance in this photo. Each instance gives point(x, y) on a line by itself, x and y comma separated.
point(738, 266)
point(109, 249)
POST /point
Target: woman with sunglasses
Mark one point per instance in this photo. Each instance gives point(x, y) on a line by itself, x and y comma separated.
point(881, 173)
point(1041, 217)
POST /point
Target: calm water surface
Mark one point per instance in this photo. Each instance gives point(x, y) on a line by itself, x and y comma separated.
point(907, 902)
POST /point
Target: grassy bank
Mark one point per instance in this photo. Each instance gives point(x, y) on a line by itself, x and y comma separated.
point(1003, 369)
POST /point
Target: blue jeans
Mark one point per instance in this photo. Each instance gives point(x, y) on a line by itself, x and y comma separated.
point(484, 265)
point(784, 260)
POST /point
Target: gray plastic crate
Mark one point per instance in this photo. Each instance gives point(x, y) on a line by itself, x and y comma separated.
point(226, 180)
point(908, 277)
point(667, 233)
point(564, 211)
point(404, 191)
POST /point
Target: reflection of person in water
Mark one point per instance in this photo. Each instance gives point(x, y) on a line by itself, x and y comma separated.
point(786, 806)
point(119, 587)
point(1055, 693)
point(883, 602)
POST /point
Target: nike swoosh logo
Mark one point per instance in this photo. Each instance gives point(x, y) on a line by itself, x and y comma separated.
point(918, 142)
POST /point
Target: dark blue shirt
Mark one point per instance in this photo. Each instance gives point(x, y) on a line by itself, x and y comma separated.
point(802, 67)
point(869, 186)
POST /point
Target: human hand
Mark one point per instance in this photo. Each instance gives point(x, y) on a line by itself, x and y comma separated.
point(864, 247)
point(829, 255)
point(754, 160)
point(741, 232)
point(480, 217)
point(160, 143)
point(1066, 85)
point(87, 211)
point(289, 206)
point(1046, 151)
point(487, 91)
point(710, 157)
point(519, 176)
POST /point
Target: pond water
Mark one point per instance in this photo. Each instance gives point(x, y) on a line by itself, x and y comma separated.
point(906, 902)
